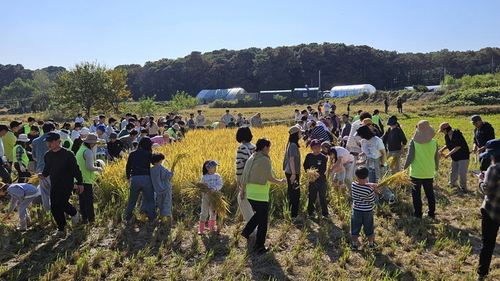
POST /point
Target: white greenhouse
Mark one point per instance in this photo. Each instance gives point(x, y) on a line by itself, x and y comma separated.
point(350, 90)
point(208, 96)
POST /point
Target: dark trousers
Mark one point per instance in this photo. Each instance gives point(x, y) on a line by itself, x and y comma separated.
point(485, 162)
point(259, 219)
point(489, 229)
point(87, 203)
point(316, 188)
point(5, 174)
point(22, 176)
point(416, 193)
point(293, 195)
point(59, 205)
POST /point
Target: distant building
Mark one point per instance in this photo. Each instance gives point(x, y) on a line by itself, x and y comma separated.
point(350, 90)
point(208, 96)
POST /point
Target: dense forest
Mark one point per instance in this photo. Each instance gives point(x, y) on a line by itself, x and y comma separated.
point(257, 69)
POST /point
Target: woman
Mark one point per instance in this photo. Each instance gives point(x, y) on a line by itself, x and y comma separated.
point(256, 179)
point(373, 149)
point(137, 171)
point(85, 160)
point(245, 150)
point(423, 160)
point(291, 166)
point(317, 132)
point(489, 184)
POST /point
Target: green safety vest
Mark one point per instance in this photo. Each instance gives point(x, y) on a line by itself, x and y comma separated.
point(24, 158)
point(88, 176)
point(258, 192)
point(423, 164)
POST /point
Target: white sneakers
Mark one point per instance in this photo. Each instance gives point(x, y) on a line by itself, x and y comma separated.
point(23, 225)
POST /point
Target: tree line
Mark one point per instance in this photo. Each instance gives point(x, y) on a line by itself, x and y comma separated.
point(288, 67)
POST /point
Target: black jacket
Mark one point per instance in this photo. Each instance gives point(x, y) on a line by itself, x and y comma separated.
point(483, 134)
point(457, 139)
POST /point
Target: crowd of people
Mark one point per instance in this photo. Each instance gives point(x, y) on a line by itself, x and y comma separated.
point(351, 153)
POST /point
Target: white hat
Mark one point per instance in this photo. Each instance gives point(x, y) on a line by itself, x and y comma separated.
point(23, 138)
point(84, 131)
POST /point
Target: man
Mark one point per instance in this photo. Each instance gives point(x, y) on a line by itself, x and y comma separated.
point(459, 153)
point(4, 164)
point(111, 126)
point(352, 141)
point(482, 133)
point(346, 129)
point(101, 133)
point(38, 152)
point(79, 119)
point(115, 147)
point(61, 166)
point(9, 140)
point(256, 121)
point(335, 123)
point(126, 130)
point(326, 107)
point(386, 105)
point(27, 127)
point(125, 121)
point(226, 118)
point(200, 120)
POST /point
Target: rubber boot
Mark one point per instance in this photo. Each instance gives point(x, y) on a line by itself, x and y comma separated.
point(143, 218)
point(212, 225)
point(165, 218)
point(202, 228)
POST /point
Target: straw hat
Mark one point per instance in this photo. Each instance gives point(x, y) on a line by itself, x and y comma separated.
point(424, 133)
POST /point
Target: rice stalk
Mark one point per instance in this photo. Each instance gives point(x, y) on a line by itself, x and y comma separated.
point(217, 200)
point(397, 180)
point(34, 180)
point(394, 160)
point(177, 158)
point(312, 174)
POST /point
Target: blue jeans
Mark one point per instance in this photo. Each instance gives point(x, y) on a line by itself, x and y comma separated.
point(144, 184)
point(365, 219)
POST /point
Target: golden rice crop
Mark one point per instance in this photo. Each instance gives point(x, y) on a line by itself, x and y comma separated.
point(397, 180)
point(312, 174)
point(393, 160)
point(219, 203)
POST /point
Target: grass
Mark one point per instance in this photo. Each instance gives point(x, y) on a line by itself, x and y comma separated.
point(446, 249)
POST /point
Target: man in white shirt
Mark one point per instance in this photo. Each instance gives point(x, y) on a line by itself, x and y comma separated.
point(226, 118)
point(79, 119)
point(326, 108)
point(200, 120)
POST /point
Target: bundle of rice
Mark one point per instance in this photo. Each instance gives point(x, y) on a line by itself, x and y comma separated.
point(177, 158)
point(393, 160)
point(396, 181)
point(34, 180)
point(217, 199)
point(312, 174)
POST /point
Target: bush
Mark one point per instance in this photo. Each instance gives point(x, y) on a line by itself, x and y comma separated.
point(182, 100)
point(146, 105)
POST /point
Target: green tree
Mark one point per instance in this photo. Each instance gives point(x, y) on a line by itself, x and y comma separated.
point(147, 106)
point(90, 85)
point(182, 100)
point(20, 91)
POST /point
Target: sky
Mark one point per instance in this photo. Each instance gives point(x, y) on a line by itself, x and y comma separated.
point(38, 34)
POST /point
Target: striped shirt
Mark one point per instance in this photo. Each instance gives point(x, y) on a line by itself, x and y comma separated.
point(320, 133)
point(242, 154)
point(363, 197)
point(490, 187)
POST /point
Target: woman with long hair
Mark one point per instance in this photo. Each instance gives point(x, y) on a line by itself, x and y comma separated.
point(291, 166)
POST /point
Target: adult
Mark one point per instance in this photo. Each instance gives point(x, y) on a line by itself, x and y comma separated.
point(459, 153)
point(153, 129)
point(377, 120)
point(256, 121)
point(317, 132)
point(298, 115)
point(191, 123)
point(9, 140)
point(240, 120)
point(75, 133)
point(245, 150)
point(256, 179)
point(291, 166)
point(95, 123)
point(200, 120)
point(79, 118)
point(345, 130)
point(326, 107)
point(61, 166)
point(128, 140)
point(372, 147)
point(101, 133)
point(335, 123)
point(4, 164)
point(163, 139)
point(422, 161)
point(21, 159)
point(125, 121)
point(85, 160)
point(386, 106)
point(395, 140)
point(114, 146)
point(126, 130)
point(83, 133)
point(226, 118)
point(347, 160)
point(353, 139)
point(39, 149)
point(482, 133)
point(111, 126)
point(27, 128)
point(137, 172)
point(489, 185)
point(399, 105)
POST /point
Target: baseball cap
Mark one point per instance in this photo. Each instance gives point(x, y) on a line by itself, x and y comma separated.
point(4, 128)
point(52, 136)
point(475, 118)
point(15, 124)
point(492, 149)
point(212, 163)
point(315, 142)
point(113, 136)
point(102, 128)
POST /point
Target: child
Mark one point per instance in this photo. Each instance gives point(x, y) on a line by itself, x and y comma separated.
point(373, 148)
point(21, 159)
point(341, 166)
point(316, 159)
point(213, 180)
point(22, 194)
point(160, 177)
point(363, 200)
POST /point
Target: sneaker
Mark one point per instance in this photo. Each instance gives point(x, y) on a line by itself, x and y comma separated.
point(59, 234)
point(480, 277)
point(326, 218)
point(296, 219)
point(354, 246)
point(247, 236)
point(372, 245)
point(312, 217)
point(23, 225)
point(261, 250)
point(76, 218)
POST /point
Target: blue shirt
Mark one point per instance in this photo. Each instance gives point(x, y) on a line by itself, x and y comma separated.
point(39, 150)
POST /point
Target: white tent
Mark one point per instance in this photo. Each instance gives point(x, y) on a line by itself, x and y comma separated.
point(351, 90)
point(208, 96)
